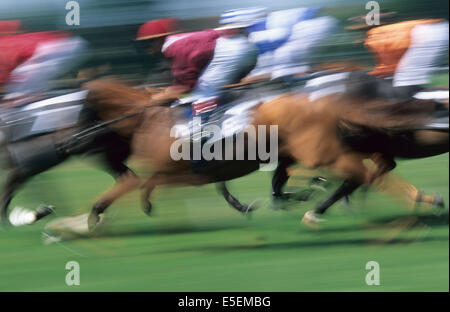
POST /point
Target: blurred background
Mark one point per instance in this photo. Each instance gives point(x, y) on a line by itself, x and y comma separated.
point(194, 241)
point(111, 26)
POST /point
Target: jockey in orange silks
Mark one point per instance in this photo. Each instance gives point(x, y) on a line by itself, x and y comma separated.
point(408, 51)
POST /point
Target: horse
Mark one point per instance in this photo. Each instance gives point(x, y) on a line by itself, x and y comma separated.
point(421, 141)
point(386, 127)
point(26, 155)
point(411, 140)
point(311, 136)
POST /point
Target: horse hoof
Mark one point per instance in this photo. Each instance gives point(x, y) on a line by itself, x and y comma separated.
point(247, 209)
point(278, 203)
point(43, 211)
point(438, 201)
point(93, 220)
point(147, 208)
point(312, 220)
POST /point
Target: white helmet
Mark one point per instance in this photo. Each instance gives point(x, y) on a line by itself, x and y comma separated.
point(241, 18)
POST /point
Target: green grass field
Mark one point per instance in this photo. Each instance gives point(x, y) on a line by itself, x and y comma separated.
point(195, 242)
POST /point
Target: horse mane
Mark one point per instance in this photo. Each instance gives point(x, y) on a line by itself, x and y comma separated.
point(109, 94)
point(110, 99)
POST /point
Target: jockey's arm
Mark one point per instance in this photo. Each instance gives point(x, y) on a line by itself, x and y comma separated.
point(169, 94)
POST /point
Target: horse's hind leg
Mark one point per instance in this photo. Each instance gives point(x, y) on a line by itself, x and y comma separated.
point(397, 187)
point(231, 200)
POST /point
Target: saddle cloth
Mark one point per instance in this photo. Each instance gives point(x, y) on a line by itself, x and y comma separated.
point(41, 117)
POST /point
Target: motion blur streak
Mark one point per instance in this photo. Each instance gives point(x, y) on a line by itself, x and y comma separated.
point(86, 112)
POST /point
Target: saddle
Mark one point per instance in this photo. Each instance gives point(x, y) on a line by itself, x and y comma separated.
point(233, 113)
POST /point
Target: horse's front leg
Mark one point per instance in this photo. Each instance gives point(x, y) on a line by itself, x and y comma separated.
point(352, 169)
point(126, 183)
point(13, 182)
point(148, 188)
point(160, 178)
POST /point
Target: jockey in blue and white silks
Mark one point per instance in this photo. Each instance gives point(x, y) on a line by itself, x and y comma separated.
point(285, 40)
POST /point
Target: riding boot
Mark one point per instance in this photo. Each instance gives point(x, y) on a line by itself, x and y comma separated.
point(199, 137)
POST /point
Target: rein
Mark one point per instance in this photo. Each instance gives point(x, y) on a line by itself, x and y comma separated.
point(76, 138)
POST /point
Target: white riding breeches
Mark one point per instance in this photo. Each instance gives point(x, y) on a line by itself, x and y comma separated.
point(234, 57)
point(429, 42)
point(292, 57)
point(51, 60)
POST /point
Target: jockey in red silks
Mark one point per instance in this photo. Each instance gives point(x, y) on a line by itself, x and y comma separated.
point(28, 61)
point(204, 61)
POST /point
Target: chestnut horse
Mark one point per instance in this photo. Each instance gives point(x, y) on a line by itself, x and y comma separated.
point(314, 133)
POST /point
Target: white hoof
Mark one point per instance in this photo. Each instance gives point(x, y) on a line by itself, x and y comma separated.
point(20, 216)
point(77, 225)
point(311, 219)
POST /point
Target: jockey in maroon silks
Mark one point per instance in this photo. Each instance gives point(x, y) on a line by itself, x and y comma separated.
point(201, 62)
point(29, 61)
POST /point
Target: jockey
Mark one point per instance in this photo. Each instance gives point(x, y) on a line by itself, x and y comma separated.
point(204, 61)
point(28, 61)
point(408, 51)
point(285, 39)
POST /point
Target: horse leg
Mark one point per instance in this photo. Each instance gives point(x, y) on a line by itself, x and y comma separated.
point(280, 177)
point(114, 156)
point(13, 182)
point(345, 189)
point(384, 164)
point(126, 183)
point(397, 187)
point(350, 166)
point(160, 178)
point(148, 188)
point(231, 200)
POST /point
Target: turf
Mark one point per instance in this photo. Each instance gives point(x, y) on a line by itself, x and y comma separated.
point(195, 242)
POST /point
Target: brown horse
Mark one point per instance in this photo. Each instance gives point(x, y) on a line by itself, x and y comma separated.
point(26, 158)
point(309, 132)
point(386, 131)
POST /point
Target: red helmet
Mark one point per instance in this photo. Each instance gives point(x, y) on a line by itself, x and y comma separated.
point(157, 28)
point(10, 27)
